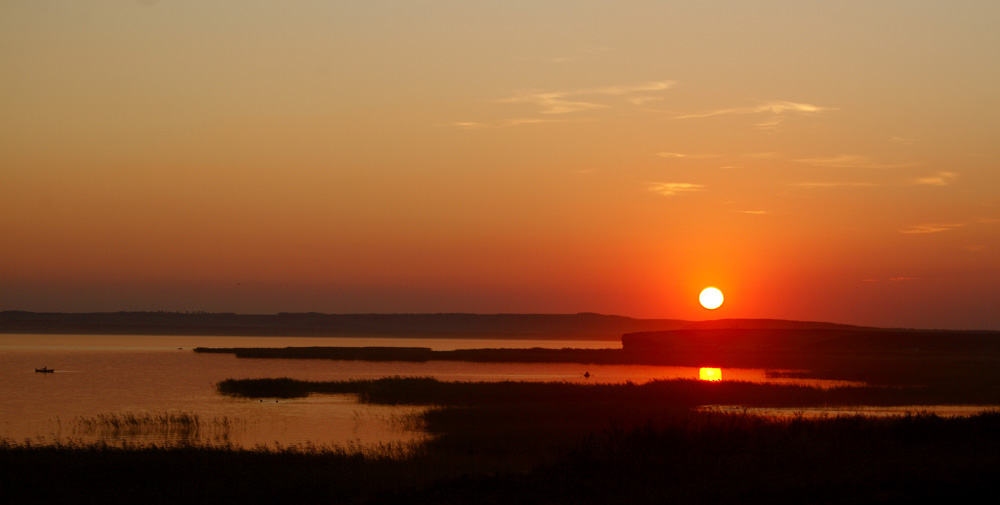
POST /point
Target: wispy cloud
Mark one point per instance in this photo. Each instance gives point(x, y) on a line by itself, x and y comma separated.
point(903, 140)
point(833, 184)
point(850, 161)
point(932, 228)
point(699, 156)
point(554, 102)
point(776, 107)
point(753, 212)
point(942, 227)
point(641, 100)
point(941, 179)
point(565, 102)
point(771, 123)
point(673, 188)
point(631, 88)
point(472, 125)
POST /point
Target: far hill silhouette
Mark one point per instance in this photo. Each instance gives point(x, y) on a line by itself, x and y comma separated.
point(579, 326)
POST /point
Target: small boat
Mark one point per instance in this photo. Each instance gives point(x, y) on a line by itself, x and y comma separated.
point(44, 369)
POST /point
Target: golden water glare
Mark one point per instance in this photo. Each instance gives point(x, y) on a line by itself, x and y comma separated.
point(710, 374)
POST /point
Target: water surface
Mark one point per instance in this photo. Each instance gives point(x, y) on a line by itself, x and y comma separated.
point(122, 374)
point(862, 410)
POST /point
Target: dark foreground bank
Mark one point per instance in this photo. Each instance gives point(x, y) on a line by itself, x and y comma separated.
point(685, 459)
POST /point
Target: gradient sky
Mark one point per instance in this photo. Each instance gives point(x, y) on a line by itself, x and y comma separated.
point(834, 161)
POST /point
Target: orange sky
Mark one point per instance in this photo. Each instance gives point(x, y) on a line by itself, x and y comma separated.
point(813, 161)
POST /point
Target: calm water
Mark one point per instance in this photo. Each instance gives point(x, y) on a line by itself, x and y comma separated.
point(881, 411)
point(98, 375)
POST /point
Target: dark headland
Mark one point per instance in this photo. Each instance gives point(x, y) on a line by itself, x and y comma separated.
point(552, 326)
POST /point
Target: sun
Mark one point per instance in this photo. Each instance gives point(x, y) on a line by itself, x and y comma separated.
point(710, 298)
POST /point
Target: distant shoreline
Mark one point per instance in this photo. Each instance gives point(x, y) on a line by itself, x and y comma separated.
point(959, 364)
point(583, 326)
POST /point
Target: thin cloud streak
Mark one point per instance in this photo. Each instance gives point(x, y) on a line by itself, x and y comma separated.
point(670, 155)
point(772, 123)
point(673, 188)
point(472, 125)
point(941, 179)
point(629, 89)
point(932, 228)
point(834, 184)
point(563, 102)
point(850, 161)
point(942, 227)
point(553, 103)
point(641, 100)
point(776, 107)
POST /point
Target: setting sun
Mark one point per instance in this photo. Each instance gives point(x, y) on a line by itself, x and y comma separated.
point(710, 298)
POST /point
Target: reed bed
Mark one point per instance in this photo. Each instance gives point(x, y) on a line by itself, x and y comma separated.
point(162, 425)
point(678, 392)
point(675, 458)
point(952, 365)
point(517, 426)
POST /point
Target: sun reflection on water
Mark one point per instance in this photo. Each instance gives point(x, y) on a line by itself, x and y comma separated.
point(710, 374)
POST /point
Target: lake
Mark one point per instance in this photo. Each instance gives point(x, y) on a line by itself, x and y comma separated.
point(120, 387)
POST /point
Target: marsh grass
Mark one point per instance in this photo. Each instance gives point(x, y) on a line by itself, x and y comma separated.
point(665, 456)
point(193, 471)
point(163, 425)
point(675, 392)
point(405, 421)
point(957, 367)
point(490, 427)
point(756, 459)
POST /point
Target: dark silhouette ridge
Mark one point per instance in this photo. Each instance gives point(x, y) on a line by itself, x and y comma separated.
point(753, 348)
point(577, 326)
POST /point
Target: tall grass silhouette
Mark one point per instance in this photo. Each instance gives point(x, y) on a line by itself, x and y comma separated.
point(161, 425)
